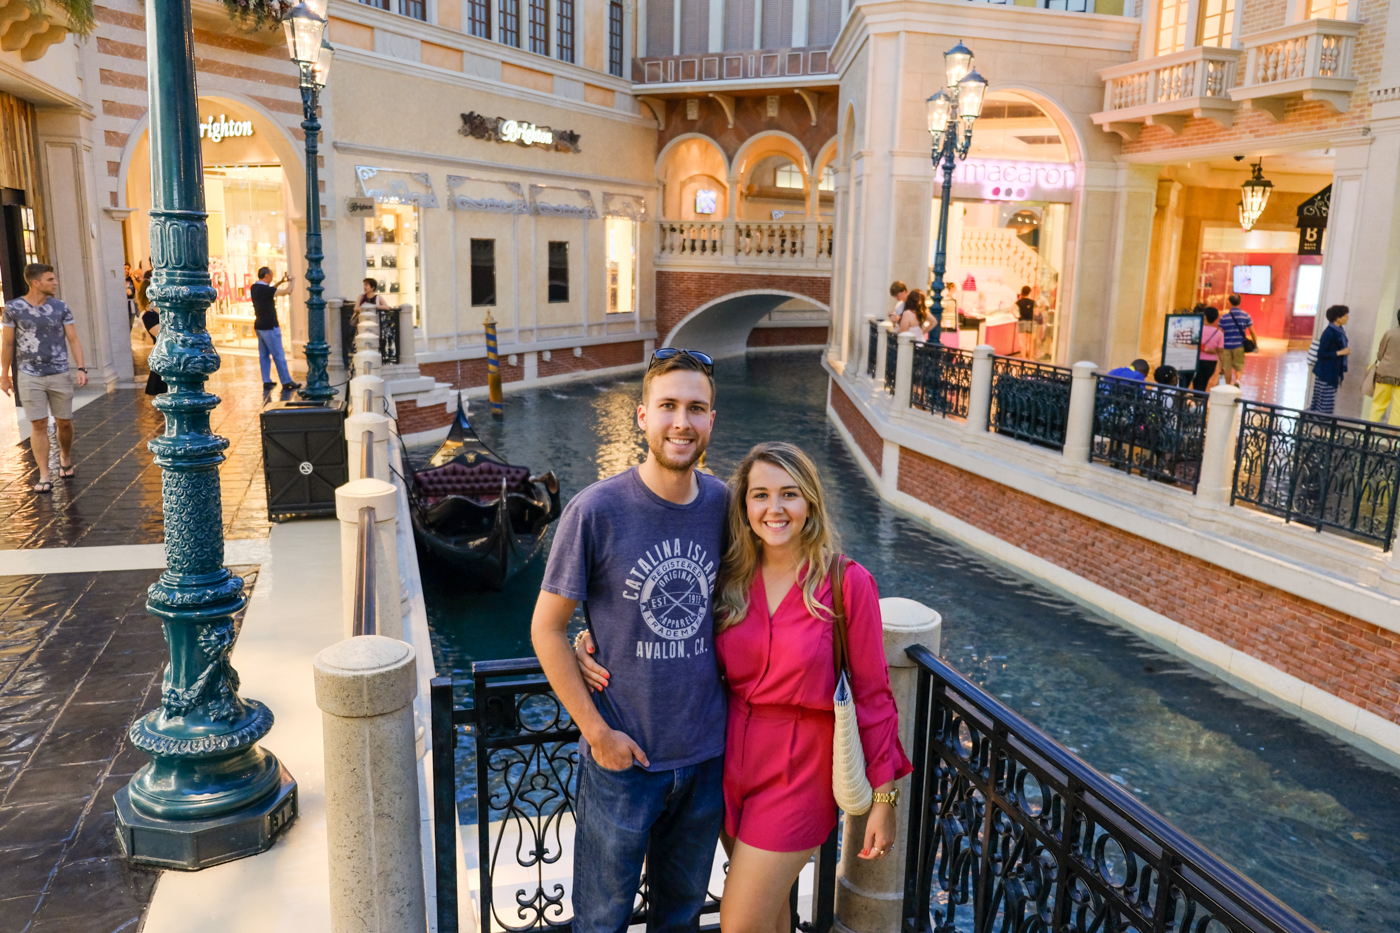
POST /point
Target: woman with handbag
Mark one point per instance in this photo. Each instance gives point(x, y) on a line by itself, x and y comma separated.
point(795, 743)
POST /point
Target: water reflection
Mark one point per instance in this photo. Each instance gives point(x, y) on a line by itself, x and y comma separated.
point(1313, 820)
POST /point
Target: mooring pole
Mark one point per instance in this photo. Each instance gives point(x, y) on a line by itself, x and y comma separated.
point(493, 369)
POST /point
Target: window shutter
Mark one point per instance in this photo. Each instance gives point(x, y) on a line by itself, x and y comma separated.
point(738, 25)
point(695, 26)
point(777, 24)
point(661, 19)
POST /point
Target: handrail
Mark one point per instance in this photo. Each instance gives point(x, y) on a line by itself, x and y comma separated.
point(1172, 880)
point(365, 588)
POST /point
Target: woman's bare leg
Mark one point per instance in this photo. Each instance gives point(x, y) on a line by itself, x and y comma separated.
point(756, 891)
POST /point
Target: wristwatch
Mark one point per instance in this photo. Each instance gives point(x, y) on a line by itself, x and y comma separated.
point(892, 798)
point(82, 369)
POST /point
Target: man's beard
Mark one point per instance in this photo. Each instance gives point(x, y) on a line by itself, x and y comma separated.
point(657, 446)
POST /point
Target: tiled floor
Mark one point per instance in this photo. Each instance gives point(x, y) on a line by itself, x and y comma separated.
point(1276, 375)
point(115, 497)
point(80, 659)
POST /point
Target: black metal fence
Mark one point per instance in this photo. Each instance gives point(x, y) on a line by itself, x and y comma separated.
point(388, 333)
point(891, 361)
point(1030, 401)
point(872, 348)
point(1008, 827)
point(1157, 431)
point(941, 380)
point(527, 761)
point(1331, 473)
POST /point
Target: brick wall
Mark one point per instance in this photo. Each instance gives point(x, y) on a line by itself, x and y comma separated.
point(597, 356)
point(787, 336)
point(469, 374)
point(871, 444)
point(413, 420)
point(679, 293)
point(1340, 654)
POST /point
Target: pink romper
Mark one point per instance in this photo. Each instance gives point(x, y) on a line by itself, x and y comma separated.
point(781, 676)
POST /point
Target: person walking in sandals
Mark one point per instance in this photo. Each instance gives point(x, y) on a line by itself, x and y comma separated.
point(38, 330)
point(812, 720)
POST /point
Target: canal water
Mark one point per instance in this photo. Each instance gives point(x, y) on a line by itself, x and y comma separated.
point(1311, 819)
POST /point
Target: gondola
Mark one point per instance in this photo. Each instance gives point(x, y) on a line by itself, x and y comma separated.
point(475, 512)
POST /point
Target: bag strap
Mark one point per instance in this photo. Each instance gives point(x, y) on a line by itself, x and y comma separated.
point(838, 607)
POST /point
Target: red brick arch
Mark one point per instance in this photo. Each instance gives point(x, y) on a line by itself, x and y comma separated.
point(679, 293)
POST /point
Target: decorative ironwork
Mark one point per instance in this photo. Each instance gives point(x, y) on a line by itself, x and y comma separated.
point(1030, 401)
point(1157, 431)
point(872, 349)
point(1320, 470)
point(349, 316)
point(891, 360)
point(317, 351)
point(942, 380)
point(389, 319)
point(1008, 826)
point(527, 761)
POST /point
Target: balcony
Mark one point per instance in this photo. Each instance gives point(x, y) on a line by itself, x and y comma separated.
point(753, 68)
point(716, 245)
point(1165, 90)
point(31, 30)
point(1302, 61)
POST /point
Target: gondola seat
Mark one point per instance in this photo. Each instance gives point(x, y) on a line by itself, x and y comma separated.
point(480, 481)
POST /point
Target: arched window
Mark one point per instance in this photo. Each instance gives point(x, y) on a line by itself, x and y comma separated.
point(788, 176)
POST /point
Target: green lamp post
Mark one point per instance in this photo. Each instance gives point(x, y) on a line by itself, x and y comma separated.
point(210, 793)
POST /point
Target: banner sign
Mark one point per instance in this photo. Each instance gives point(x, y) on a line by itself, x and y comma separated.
point(1181, 341)
point(1312, 220)
point(505, 130)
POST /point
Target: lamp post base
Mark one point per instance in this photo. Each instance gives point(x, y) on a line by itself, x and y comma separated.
point(189, 845)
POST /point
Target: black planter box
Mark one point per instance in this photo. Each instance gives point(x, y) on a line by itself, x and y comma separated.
point(304, 458)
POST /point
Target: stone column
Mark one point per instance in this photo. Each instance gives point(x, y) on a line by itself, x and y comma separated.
point(870, 893)
point(365, 688)
point(979, 400)
point(383, 497)
point(904, 371)
point(881, 351)
point(1217, 463)
point(380, 426)
point(1079, 430)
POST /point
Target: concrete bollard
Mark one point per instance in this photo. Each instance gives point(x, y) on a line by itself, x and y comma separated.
point(1217, 464)
point(870, 894)
point(882, 354)
point(381, 426)
point(1079, 427)
point(979, 397)
point(903, 371)
point(365, 688)
point(368, 361)
point(362, 384)
point(383, 497)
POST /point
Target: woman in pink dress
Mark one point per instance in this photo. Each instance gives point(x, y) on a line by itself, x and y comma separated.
point(774, 630)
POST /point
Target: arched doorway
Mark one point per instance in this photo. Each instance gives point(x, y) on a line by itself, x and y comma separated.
point(721, 327)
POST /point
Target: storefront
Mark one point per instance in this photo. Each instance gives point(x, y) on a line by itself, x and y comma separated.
point(20, 237)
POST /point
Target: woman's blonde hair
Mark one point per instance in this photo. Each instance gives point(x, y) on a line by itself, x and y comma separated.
point(817, 542)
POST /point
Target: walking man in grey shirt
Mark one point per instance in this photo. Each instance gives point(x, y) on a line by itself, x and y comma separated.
point(38, 329)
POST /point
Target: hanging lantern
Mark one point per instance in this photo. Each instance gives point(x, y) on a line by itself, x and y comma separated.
point(1256, 195)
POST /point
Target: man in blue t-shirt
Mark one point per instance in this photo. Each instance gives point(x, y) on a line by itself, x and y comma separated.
point(1235, 325)
point(641, 551)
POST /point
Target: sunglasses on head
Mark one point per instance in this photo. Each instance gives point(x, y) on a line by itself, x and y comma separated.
point(670, 353)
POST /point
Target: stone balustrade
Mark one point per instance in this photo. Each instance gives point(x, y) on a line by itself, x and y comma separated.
point(776, 245)
point(1311, 60)
point(1167, 89)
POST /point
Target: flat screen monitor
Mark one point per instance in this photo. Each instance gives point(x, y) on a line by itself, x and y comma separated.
point(1253, 280)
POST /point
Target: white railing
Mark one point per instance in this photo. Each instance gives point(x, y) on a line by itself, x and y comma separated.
point(805, 244)
point(1193, 83)
point(1311, 60)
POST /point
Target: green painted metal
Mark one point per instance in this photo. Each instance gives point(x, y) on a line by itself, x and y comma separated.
point(206, 764)
point(318, 386)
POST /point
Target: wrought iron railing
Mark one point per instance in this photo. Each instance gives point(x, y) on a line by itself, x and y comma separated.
point(1009, 827)
point(1320, 470)
point(872, 349)
point(891, 360)
point(389, 331)
point(1157, 431)
point(527, 761)
point(1030, 401)
point(941, 380)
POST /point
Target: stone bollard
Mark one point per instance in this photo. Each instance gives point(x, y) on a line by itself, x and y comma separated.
point(368, 361)
point(1217, 464)
point(979, 397)
point(870, 894)
point(384, 498)
point(365, 688)
point(1079, 427)
point(903, 371)
point(882, 354)
point(381, 426)
point(362, 384)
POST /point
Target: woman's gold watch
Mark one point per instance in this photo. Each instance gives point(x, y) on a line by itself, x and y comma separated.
point(892, 798)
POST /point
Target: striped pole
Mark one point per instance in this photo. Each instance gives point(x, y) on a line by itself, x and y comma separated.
point(493, 369)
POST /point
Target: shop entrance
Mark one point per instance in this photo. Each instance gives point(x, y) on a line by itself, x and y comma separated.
point(1278, 289)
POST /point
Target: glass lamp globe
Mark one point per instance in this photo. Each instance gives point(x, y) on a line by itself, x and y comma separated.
point(957, 62)
point(322, 70)
point(1256, 193)
point(940, 111)
point(304, 30)
point(318, 6)
point(971, 90)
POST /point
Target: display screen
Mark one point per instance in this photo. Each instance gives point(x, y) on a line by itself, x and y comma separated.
point(1253, 280)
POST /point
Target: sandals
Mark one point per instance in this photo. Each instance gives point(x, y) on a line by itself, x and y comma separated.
point(65, 472)
point(40, 488)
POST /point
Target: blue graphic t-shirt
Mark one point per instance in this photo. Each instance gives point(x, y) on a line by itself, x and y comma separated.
point(646, 569)
point(41, 344)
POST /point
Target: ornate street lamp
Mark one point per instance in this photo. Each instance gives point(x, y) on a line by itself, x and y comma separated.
point(1256, 195)
point(305, 27)
point(209, 794)
point(951, 113)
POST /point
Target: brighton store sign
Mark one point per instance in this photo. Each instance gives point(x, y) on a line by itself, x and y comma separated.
point(1005, 180)
point(223, 128)
point(504, 130)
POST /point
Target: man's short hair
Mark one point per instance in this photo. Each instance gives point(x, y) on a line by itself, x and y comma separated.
point(1234, 301)
point(36, 271)
point(264, 272)
point(1141, 366)
point(896, 287)
point(681, 362)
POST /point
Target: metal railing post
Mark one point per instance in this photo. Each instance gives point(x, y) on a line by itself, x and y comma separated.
point(362, 620)
point(1217, 462)
point(979, 399)
point(882, 353)
point(367, 434)
point(444, 803)
point(1079, 430)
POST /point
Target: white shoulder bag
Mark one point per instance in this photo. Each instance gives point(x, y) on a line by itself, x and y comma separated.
point(848, 780)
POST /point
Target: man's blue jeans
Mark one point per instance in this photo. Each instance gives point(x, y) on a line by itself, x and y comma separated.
point(270, 346)
point(624, 816)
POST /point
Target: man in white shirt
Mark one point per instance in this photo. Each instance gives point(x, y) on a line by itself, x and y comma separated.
point(898, 291)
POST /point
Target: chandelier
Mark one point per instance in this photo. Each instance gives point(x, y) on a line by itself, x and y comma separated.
point(1256, 196)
